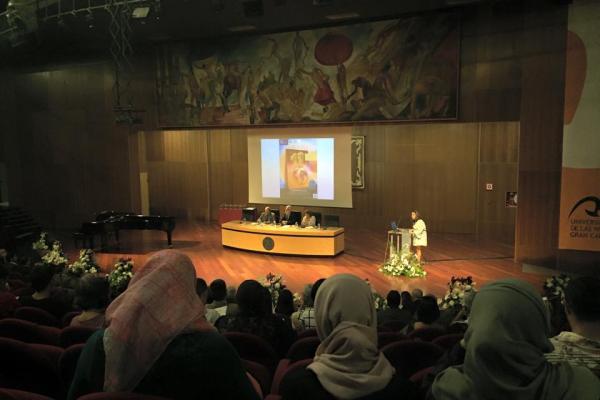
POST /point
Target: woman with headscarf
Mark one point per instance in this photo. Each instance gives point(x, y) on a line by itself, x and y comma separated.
point(157, 341)
point(505, 345)
point(348, 364)
point(255, 316)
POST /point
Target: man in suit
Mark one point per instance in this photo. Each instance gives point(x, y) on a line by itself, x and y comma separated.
point(267, 217)
point(288, 218)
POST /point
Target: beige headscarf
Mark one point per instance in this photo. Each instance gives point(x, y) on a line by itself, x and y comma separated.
point(159, 304)
point(505, 345)
point(348, 363)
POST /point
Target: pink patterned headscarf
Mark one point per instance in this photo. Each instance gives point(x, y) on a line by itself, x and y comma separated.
point(159, 304)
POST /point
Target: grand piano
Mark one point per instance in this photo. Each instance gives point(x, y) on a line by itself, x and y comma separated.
point(108, 224)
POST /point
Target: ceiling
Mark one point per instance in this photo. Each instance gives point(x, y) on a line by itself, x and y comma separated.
point(82, 34)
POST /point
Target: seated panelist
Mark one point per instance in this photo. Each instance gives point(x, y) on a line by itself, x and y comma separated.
point(267, 217)
point(289, 217)
point(308, 220)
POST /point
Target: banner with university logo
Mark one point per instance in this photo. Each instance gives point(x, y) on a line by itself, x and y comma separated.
point(580, 185)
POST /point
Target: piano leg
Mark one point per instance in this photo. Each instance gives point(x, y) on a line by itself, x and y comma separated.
point(169, 238)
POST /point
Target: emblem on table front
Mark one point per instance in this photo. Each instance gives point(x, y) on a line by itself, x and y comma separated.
point(268, 243)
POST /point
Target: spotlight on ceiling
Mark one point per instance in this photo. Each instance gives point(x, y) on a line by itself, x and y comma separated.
point(140, 12)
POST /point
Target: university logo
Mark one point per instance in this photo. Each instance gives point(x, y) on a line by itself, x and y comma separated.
point(595, 212)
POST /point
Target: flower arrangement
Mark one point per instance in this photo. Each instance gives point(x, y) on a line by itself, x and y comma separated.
point(55, 256)
point(554, 286)
point(42, 243)
point(458, 287)
point(404, 263)
point(379, 301)
point(85, 264)
point(275, 285)
point(119, 278)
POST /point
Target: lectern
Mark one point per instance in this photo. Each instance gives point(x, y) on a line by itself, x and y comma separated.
point(397, 241)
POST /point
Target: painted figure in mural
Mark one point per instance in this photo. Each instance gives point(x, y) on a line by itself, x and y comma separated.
point(324, 95)
point(300, 50)
point(285, 64)
point(389, 70)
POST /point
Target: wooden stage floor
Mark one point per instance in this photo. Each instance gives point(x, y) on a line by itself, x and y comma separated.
point(447, 255)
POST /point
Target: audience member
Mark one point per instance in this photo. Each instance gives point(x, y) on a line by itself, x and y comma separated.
point(305, 303)
point(157, 341)
point(285, 303)
point(416, 294)
point(348, 364)
point(8, 301)
point(43, 296)
point(505, 345)
point(210, 314)
point(254, 317)
point(306, 316)
point(217, 297)
point(426, 315)
point(406, 302)
point(460, 322)
point(393, 312)
point(91, 296)
point(582, 306)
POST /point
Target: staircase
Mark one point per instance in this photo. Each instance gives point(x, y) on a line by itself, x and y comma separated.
point(16, 227)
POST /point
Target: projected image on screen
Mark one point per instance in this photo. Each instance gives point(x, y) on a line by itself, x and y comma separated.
point(298, 168)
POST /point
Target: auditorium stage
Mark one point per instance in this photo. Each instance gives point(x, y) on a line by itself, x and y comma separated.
point(447, 255)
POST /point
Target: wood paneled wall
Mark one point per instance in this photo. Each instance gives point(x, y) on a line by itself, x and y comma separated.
point(542, 48)
point(67, 159)
point(430, 167)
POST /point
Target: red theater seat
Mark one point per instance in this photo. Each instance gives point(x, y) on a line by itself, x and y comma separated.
point(426, 334)
point(68, 363)
point(29, 332)
point(253, 348)
point(24, 367)
point(120, 396)
point(385, 338)
point(448, 341)
point(307, 333)
point(260, 373)
point(408, 356)
point(279, 378)
point(37, 316)
point(13, 394)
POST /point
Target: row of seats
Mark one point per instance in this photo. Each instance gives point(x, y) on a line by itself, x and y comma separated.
point(408, 356)
point(14, 394)
point(30, 332)
point(43, 317)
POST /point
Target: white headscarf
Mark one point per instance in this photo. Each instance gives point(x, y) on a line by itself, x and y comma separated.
point(348, 363)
